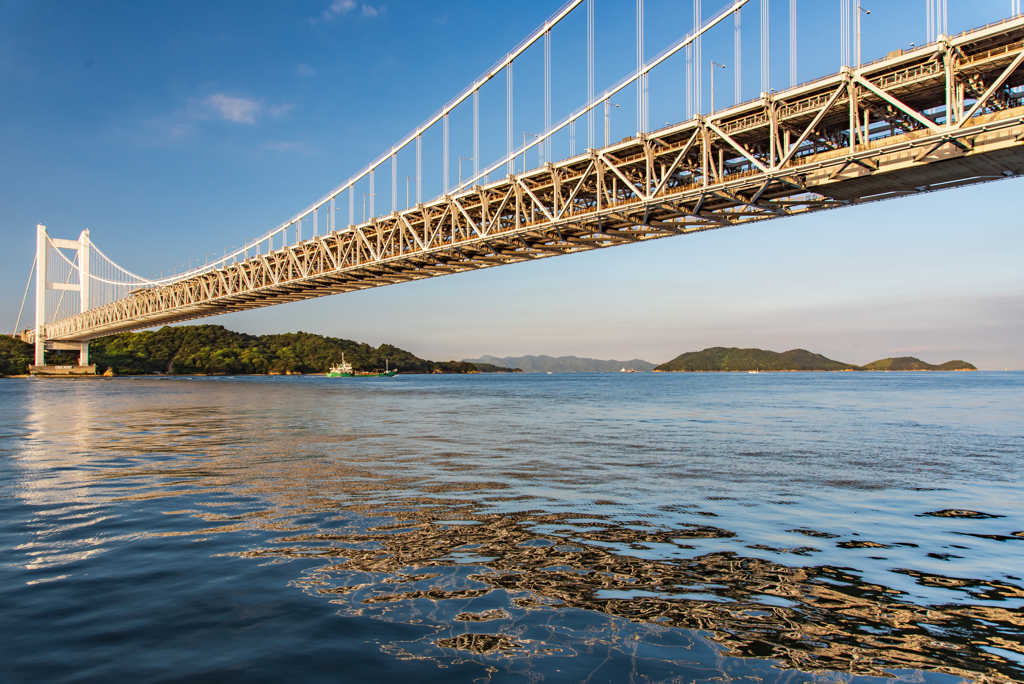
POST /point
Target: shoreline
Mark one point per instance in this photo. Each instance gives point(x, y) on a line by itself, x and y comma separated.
point(283, 375)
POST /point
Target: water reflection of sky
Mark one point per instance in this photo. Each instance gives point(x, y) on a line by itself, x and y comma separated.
point(547, 520)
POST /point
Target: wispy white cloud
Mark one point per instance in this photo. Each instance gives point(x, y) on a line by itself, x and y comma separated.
point(305, 70)
point(235, 109)
point(338, 7)
point(341, 7)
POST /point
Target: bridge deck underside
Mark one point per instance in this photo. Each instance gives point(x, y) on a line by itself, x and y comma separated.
point(890, 129)
point(937, 175)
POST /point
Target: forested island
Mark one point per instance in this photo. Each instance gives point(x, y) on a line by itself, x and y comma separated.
point(909, 363)
point(726, 359)
point(215, 350)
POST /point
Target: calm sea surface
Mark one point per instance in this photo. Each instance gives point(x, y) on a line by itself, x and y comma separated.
point(784, 527)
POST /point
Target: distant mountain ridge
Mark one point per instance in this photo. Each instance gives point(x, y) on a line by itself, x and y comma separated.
point(726, 359)
point(564, 364)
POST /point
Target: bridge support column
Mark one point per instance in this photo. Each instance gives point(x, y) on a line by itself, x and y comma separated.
point(83, 282)
point(42, 251)
point(83, 272)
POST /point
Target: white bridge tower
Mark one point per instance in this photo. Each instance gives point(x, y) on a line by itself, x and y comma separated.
point(47, 279)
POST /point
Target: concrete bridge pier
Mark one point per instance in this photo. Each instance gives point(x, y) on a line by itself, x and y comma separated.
point(82, 368)
point(81, 347)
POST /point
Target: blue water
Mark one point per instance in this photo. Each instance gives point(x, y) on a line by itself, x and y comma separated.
point(514, 528)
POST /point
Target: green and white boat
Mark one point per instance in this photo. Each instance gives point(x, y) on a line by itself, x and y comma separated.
point(344, 370)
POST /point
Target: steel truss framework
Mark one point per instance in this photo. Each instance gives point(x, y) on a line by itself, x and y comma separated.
point(944, 115)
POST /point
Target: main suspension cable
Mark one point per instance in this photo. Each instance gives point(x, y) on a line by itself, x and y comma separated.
point(142, 281)
point(17, 324)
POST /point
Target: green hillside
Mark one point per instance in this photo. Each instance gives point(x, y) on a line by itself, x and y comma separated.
point(564, 364)
point(15, 356)
point(909, 363)
point(735, 359)
point(212, 349)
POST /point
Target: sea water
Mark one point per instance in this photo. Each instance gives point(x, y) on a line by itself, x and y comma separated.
point(646, 527)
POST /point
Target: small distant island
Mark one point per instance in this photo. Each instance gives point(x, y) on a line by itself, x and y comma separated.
point(563, 364)
point(215, 350)
point(909, 363)
point(733, 359)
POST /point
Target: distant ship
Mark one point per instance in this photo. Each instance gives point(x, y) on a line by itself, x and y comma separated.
point(629, 371)
point(344, 370)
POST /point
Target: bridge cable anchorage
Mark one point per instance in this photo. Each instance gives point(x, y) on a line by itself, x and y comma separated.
point(935, 17)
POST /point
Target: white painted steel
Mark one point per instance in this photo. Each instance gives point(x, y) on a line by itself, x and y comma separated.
point(42, 251)
point(737, 56)
point(765, 53)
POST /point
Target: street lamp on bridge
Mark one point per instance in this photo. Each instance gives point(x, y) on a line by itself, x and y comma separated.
point(865, 11)
point(607, 131)
point(460, 168)
point(364, 203)
point(713, 65)
point(407, 179)
point(524, 149)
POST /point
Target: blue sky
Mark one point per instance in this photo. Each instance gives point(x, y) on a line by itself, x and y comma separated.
point(175, 129)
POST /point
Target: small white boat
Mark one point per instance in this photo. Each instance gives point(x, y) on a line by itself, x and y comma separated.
point(345, 370)
point(340, 370)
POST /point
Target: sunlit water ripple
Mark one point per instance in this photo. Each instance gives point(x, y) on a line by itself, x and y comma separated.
point(595, 527)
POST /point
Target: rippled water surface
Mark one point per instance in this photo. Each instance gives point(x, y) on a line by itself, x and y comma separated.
point(603, 528)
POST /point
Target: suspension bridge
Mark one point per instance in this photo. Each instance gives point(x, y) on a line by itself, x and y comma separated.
point(948, 113)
